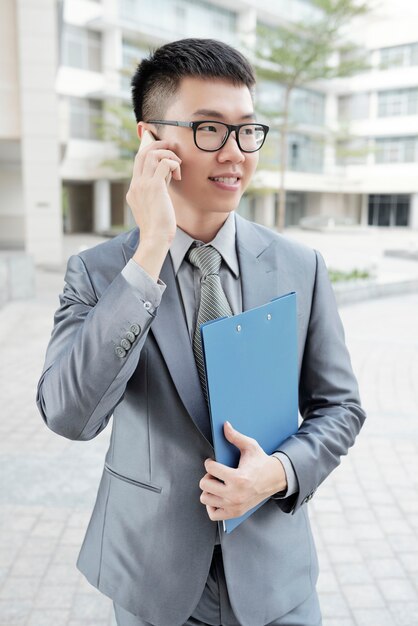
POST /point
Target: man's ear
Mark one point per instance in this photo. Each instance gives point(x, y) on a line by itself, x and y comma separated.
point(142, 126)
point(140, 129)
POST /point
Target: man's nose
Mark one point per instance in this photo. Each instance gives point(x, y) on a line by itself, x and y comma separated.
point(230, 151)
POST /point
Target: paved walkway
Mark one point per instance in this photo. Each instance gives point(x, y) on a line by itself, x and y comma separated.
point(365, 516)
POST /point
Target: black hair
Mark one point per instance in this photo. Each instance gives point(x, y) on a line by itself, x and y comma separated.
point(157, 78)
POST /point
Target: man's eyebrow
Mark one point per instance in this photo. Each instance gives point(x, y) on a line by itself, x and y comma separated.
point(217, 115)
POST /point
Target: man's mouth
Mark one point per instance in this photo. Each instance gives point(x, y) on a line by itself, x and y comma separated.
point(223, 179)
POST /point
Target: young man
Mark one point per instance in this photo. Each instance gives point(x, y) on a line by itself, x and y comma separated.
point(124, 344)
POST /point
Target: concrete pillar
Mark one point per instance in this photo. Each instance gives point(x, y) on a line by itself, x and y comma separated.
point(102, 213)
point(413, 216)
point(264, 213)
point(364, 209)
point(38, 60)
point(246, 26)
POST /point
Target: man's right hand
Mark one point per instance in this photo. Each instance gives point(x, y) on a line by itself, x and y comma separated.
point(151, 204)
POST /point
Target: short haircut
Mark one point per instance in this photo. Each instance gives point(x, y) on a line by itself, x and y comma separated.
point(157, 78)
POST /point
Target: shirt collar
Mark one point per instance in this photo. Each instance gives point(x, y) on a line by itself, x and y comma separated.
point(224, 242)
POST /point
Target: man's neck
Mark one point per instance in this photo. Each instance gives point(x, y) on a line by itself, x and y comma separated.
point(202, 229)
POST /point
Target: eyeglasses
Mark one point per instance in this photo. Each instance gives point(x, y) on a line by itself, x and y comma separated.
point(210, 136)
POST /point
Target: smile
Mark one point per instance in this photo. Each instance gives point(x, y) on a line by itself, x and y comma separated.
point(226, 181)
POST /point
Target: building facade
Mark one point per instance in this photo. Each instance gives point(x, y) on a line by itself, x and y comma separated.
point(61, 65)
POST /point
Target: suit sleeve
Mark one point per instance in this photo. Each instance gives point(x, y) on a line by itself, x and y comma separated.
point(329, 399)
point(94, 349)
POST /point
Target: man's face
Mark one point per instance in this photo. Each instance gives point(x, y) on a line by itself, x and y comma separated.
point(197, 193)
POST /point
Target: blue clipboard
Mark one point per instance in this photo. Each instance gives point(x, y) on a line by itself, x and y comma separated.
point(252, 379)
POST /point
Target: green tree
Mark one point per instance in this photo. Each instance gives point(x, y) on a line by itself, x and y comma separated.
point(304, 52)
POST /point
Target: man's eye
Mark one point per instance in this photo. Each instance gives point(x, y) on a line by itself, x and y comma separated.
point(208, 128)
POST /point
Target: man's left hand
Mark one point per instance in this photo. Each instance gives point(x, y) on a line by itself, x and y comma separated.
point(228, 492)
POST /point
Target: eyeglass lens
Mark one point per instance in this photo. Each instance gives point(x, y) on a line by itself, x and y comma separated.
point(211, 136)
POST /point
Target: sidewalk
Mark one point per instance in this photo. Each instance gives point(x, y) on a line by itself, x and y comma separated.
point(365, 516)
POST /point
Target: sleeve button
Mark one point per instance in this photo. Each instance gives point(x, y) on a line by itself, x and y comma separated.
point(135, 329)
point(125, 344)
point(130, 336)
point(147, 305)
point(120, 352)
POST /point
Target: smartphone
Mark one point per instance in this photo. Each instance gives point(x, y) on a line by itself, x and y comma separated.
point(146, 140)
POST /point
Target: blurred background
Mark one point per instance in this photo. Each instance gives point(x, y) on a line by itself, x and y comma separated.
point(338, 85)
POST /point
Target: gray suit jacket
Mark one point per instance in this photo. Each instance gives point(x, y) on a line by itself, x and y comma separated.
point(149, 542)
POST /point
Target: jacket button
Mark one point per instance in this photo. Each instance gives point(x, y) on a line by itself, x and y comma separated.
point(130, 336)
point(120, 352)
point(125, 344)
point(135, 329)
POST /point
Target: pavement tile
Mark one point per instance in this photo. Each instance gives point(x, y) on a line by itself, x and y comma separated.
point(341, 536)
point(373, 617)
point(334, 605)
point(352, 573)
point(398, 527)
point(397, 590)
point(86, 606)
point(84, 622)
point(61, 575)
point(14, 613)
point(327, 582)
point(405, 613)
point(30, 565)
point(48, 529)
point(375, 549)
point(410, 562)
point(19, 588)
point(366, 596)
point(55, 596)
point(402, 544)
point(345, 554)
point(48, 617)
point(386, 568)
point(367, 531)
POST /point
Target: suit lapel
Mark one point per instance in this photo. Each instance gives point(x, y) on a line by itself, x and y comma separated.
point(170, 331)
point(258, 265)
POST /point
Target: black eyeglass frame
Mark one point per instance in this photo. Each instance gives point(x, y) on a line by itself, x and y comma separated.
point(230, 128)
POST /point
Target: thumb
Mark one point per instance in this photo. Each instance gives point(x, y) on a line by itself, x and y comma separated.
point(238, 439)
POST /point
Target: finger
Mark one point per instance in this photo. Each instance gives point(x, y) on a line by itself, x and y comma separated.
point(210, 499)
point(141, 154)
point(239, 440)
point(165, 168)
point(220, 471)
point(153, 159)
point(212, 485)
point(215, 513)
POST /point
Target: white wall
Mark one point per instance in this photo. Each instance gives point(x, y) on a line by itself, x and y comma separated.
point(9, 90)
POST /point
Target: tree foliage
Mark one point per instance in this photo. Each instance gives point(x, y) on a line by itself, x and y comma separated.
point(303, 52)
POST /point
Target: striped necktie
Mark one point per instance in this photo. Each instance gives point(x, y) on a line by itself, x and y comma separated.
point(213, 302)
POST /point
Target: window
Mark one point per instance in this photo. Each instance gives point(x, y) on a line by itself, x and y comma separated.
point(83, 114)
point(396, 149)
point(398, 102)
point(353, 107)
point(304, 154)
point(352, 152)
point(388, 210)
point(305, 106)
point(132, 54)
point(181, 18)
point(399, 56)
point(82, 48)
